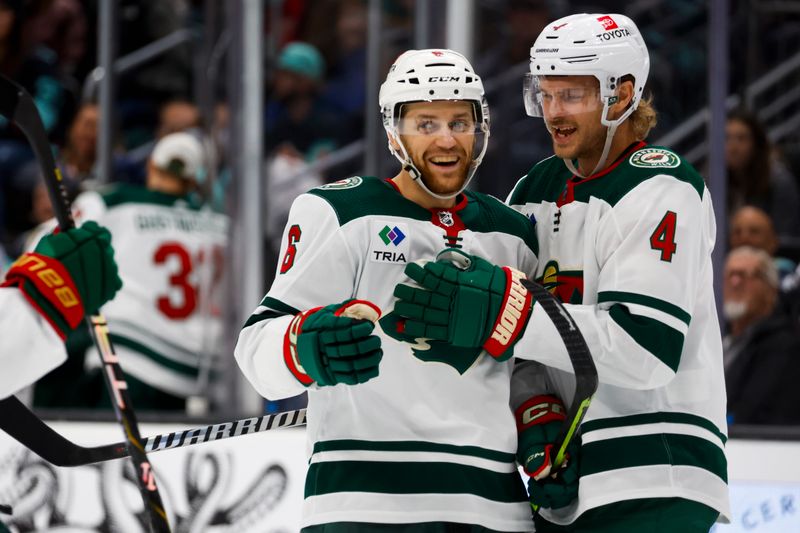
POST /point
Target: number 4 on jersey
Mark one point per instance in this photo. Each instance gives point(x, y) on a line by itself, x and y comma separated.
point(663, 238)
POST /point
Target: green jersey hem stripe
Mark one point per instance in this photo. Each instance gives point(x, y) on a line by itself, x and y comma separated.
point(656, 337)
point(653, 418)
point(155, 356)
point(412, 446)
point(651, 450)
point(389, 478)
point(647, 301)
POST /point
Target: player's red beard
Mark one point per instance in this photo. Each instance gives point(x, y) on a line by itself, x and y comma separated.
point(439, 179)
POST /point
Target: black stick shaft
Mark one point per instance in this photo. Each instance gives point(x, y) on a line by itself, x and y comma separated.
point(24, 426)
point(17, 105)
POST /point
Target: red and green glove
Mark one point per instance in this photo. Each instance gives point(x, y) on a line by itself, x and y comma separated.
point(334, 344)
point(539, 421)
point(70, 274)
point(466, 302)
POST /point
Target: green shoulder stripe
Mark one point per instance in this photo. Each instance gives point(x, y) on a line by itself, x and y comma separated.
point(405, 477)
point(656, 337)
point(548, 179)
point(649, 450)
point(654, 418)
point(637, 168)
point(647, 301)
point(125, 193)
point(358, 197)
point(485, 213)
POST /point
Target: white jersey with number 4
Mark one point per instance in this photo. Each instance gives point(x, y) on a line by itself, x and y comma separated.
point(629, 253)
point(432, 438)
point(166, 321)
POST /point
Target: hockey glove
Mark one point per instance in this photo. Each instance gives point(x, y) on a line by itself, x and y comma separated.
point(68, 275)
point(334, 344)
point(538, 423)
point(465, 301)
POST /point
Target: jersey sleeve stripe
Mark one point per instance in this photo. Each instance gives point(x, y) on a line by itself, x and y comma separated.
point(650, 450)
point(278, 305)
point(653, 418)
point(654, 336)
point(647, 301)
point(655, 314)
point(270, 308)
point(413, 446)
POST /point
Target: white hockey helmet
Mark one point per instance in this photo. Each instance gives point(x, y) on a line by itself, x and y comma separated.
point(607, 47)
point(426, 76)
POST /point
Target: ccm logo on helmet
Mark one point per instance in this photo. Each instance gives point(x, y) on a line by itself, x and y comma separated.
point(616, 34)
point(434, 79)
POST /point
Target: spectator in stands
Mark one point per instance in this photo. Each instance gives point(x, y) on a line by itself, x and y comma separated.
point(37, 71)
point(61, 26)
point(178, 115)
point(762, 347)
point(757, 177)
point(299, 130)
point(751, 226)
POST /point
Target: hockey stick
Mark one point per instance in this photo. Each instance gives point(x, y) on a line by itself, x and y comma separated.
point(17, 105)
point(582, 364)
point(24, 426)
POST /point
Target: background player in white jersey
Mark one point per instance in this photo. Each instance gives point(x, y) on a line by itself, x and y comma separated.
point(402, 437)
point(46, 294)
point(626, 232)
point(166, 320)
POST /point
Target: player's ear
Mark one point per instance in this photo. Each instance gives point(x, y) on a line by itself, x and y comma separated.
point(624, 98)
point(393, 142)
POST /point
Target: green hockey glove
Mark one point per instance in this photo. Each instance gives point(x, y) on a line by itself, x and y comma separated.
point(68, 275)
point(334, 344)
point(466, 302)
point(539, 421)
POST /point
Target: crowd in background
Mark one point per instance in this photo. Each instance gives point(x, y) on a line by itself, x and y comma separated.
point(315, 103)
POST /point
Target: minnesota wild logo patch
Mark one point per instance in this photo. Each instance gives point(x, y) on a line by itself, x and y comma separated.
point(654, 158)
point(347, 183)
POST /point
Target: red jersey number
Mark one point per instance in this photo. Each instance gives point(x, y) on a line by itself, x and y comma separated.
point(183, 306)
point(179, 279)
point(291, 249)
point(663, 238)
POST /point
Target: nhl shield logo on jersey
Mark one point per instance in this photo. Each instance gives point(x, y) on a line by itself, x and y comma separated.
point(446, 218)
point(347, 183)
point(654, 158)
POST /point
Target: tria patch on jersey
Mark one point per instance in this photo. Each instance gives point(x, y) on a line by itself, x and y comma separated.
point(389, 242)
point(654, 158)
point(347, 183)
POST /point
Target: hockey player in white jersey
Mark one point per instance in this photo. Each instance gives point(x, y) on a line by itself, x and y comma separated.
point(166, 323)
point(402, 437)
point(46, 294)
point(626, 232)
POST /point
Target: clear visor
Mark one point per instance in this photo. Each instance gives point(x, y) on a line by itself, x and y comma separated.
point(438, 118)
point(553, 97)
point(452, 125)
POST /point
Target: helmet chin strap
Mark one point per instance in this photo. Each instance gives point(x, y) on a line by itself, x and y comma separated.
point(600, 162)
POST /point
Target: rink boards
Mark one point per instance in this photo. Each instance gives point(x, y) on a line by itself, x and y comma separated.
point(254, 483)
